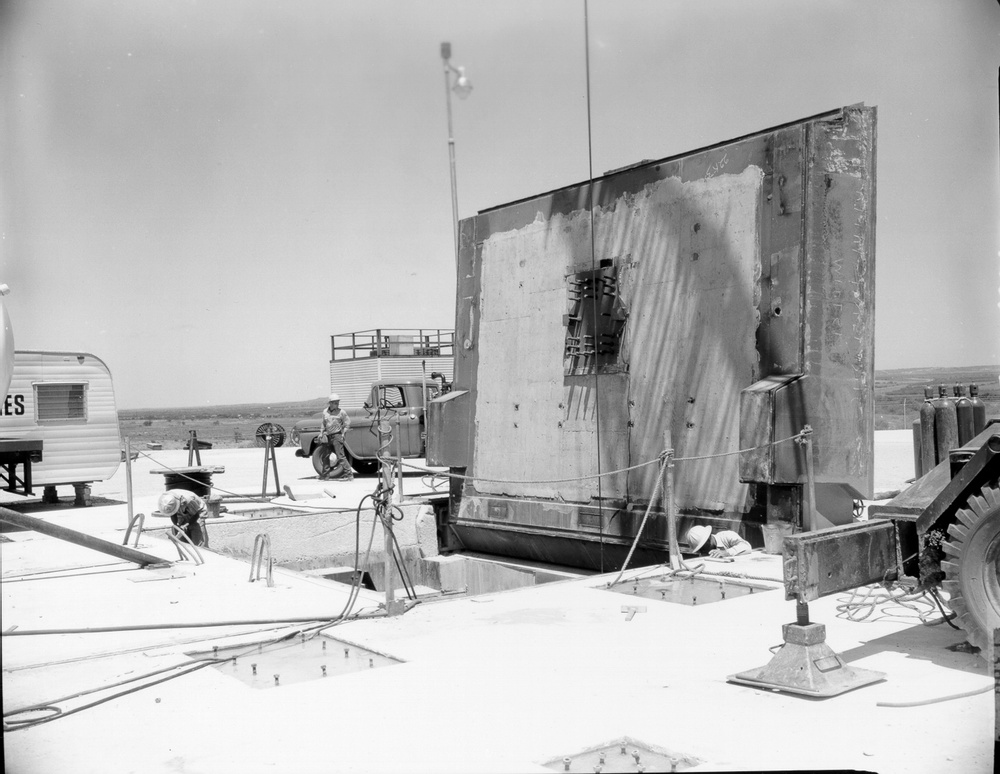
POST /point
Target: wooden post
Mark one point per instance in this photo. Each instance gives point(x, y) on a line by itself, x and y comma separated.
point(667, 473)
point(668, 500)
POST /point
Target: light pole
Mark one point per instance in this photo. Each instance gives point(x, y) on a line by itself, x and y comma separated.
point(462, 88)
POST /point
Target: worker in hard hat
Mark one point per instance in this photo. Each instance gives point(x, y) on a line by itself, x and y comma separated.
point(186, 510)
point(336, 423)
point(700, 539)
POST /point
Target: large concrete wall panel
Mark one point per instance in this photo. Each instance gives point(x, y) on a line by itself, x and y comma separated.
point(750, 259)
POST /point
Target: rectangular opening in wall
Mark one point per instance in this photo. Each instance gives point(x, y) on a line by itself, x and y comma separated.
point(595, 321)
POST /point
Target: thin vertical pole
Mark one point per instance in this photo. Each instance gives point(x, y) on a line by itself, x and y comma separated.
point(451, 162)
point(399, 464)
point(128, 478)
point(810, 515)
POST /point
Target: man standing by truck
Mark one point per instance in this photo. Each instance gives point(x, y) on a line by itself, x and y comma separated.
point(335, 425)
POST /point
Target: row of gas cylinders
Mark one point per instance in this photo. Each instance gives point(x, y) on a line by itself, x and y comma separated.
point(946, 422)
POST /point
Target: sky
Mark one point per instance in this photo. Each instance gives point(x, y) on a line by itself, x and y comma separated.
point(202, 193)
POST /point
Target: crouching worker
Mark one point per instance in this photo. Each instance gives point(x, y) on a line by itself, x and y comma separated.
point(700, 540)
point(186, 510)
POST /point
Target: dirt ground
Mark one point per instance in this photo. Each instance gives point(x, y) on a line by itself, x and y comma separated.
point(225, 427)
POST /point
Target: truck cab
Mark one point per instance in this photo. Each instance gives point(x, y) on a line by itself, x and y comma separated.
point(390, 423)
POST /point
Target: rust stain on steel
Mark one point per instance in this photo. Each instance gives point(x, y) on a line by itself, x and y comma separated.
point(840, 296)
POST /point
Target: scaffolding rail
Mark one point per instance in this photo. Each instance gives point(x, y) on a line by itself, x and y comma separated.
point(393, 342)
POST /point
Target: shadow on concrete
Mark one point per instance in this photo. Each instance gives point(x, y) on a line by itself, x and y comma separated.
point(924, 642)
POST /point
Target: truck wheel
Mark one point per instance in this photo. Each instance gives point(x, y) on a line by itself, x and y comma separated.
point(972, 572)
point(361, 467)
point(321, 459)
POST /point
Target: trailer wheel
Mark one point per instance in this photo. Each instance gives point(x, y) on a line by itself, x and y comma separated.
point(972, 571)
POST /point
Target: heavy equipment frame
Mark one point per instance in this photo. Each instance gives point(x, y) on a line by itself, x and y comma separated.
point(942, 531)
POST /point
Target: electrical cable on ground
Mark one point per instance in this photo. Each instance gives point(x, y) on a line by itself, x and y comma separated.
point(946, 617)
point(937, 700)
point(178, 670)
point(864, 601)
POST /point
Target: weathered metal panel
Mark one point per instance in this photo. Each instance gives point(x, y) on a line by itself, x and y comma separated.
point(829, 560)
point(686, 258)
point(757, 426)
point(447, 439)
point(838, 330)
point(715, 256)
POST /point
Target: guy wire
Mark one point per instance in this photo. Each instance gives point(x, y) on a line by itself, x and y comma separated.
point(593, 267)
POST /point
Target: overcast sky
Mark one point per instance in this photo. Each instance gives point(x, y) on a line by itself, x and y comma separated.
point(201, 193)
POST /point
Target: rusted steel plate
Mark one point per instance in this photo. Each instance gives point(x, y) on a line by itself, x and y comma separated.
point(826, 561)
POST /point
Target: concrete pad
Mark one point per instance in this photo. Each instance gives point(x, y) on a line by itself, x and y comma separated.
point(502, 682)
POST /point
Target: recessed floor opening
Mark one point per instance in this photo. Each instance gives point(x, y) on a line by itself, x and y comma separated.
point(624, 755)
point(692, 589)
point(274, 664)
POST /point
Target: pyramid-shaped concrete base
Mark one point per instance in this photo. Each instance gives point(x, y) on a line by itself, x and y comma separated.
point(806, 665)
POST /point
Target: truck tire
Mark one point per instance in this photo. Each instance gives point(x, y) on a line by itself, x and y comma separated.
point(321, 458)
point(972, 570)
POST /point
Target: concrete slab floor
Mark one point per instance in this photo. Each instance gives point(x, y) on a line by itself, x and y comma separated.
point(503, 682)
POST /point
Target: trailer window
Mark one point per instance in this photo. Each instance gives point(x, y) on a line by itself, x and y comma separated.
point(60, 402)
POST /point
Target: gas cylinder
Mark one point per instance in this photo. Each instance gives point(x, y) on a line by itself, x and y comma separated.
point(978, 410)
point(963, 411)
point(945, 423)
point(928, 446)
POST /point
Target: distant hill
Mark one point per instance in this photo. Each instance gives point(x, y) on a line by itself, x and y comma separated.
point(892, 388)
point(911, 381)
point(900, 391)
point(274, 410)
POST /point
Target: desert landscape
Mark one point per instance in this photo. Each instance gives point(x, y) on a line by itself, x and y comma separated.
point(898, 395)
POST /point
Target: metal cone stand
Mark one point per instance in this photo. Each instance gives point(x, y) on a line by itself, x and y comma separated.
point(806, 665)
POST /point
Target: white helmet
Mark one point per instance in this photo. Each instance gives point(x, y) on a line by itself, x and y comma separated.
point(696, 537)
point(170, 503)
point(334, 398)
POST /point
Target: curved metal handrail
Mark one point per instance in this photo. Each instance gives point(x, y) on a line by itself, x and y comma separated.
point(141, 518)
point(260, 543)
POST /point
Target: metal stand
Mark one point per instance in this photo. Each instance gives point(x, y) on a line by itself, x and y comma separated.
point(269, 457)
point(806, 665)
point(194, 453)
point(393, 606)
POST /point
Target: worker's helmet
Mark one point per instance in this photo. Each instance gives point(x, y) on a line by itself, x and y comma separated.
point(169, 503)
point(334, 398)
point(696, 537)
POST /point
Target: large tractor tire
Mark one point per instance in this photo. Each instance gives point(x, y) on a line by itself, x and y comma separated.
point(972, 569)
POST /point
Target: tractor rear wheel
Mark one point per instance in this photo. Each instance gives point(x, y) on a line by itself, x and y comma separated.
point(972, 569)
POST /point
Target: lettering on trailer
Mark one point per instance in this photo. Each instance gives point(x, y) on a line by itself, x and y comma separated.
point(13, 406)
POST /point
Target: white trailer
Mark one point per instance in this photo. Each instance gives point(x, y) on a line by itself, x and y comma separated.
point(67, 401)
